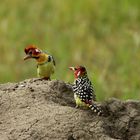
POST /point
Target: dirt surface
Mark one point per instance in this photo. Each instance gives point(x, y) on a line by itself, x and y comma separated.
point(45, 110)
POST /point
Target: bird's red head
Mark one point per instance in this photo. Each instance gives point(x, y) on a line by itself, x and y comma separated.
point(79, 71)
point(32, 52)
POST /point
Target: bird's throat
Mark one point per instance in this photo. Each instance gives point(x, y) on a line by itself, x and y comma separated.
point(42, 59)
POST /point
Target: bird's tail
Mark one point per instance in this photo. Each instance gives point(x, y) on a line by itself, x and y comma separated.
point(96, 109)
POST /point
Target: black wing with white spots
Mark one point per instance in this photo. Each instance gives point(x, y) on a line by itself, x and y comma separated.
point(84, 90)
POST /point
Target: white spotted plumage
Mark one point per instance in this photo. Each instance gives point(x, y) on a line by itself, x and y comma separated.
point(83, 89)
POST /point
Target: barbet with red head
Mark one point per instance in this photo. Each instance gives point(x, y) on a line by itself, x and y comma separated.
point(84, 94)
point(45, 62)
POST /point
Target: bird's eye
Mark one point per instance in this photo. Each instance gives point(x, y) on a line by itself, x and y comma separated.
point(30, 53)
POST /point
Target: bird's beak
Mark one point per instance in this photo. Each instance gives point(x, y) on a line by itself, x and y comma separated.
point(27, 57)
point(72, 68)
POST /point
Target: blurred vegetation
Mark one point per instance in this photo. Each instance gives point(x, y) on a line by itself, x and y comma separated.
point(102, 35)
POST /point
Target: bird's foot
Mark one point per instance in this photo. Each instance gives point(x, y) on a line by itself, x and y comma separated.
point(38, 79)
point(76, 106)
point(42, 79)
point(46, 78)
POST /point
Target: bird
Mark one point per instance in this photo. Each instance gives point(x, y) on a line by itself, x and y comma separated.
point(84, 93)
point(45, 62)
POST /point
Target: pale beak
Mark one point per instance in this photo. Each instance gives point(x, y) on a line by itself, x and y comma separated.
point(27, 57)
point(72, 68)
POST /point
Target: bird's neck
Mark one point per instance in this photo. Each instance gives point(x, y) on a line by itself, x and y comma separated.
point(42, 58)
point(81, 76)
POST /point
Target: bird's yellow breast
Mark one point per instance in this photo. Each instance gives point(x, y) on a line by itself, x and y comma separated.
point(79, 102)
point(46, 69)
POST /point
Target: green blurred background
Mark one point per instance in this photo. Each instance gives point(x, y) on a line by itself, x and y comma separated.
point(103, 35)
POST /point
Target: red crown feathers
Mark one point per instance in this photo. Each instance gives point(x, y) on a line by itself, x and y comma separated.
point(33, 49)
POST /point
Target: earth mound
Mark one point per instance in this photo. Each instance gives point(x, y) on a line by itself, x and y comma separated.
point(45, 110)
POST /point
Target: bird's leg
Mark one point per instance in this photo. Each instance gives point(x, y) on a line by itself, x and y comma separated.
point(76, 106)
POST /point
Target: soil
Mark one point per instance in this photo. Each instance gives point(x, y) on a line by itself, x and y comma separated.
point(36, 109)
